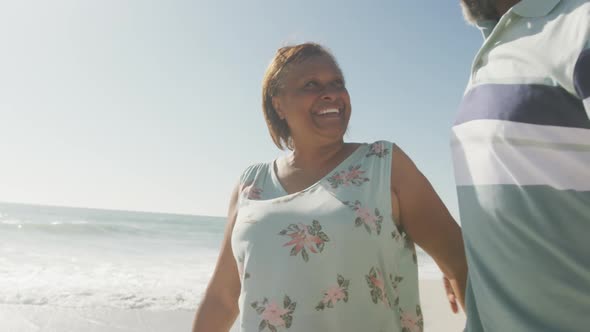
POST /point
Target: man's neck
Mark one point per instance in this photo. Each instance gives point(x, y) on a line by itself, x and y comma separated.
point(502, 6)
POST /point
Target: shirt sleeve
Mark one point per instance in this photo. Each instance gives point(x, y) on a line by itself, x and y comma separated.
point(582, 77)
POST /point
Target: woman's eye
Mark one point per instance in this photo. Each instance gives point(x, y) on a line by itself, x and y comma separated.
point(338, 83)
point(311, 84)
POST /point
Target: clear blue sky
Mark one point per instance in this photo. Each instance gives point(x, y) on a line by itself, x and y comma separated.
point(155, 105)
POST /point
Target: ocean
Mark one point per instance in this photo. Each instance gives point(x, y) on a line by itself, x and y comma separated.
point(92, 258)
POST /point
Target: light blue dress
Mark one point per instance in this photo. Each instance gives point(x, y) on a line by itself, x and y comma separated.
point(327, 258)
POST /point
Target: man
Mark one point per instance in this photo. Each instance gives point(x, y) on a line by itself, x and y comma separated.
point(521, 150)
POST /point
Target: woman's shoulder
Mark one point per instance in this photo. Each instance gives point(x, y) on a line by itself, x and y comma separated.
point(380, 148)
point(251, 171)
point(381, 142)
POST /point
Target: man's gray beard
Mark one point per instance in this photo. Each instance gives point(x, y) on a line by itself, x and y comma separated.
point(476, 10)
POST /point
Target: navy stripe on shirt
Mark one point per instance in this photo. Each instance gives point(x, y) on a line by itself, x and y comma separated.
point(526, 103)
point(582, 74)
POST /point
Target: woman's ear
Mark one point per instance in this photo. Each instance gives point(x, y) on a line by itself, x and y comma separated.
point(276, 104)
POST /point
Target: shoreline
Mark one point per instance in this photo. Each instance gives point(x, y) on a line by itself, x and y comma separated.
point(40, 318)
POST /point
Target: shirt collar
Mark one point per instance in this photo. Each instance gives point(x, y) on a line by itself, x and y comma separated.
point(534, 8)
point(486, 27)
point(524, 8)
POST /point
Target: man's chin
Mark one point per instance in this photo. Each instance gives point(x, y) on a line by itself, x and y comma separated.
point(468, 14)
point(477, 10)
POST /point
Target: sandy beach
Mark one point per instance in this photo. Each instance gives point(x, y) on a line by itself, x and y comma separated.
point(36, 318)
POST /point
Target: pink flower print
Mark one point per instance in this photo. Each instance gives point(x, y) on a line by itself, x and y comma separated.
point(378, 149)
point(395, 281)
point(338, 177)
point(334, 293)
point(250, 191)
point(274, 316)
point(367, 217)
point(412, 322)
point(403, 240)
point(304, 238)
point(409, 321)
point(377, 280)
point(377, 286)
point(353, 176)
point(372, 221)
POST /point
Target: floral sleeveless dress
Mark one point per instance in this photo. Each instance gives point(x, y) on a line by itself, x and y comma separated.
point(327, 258)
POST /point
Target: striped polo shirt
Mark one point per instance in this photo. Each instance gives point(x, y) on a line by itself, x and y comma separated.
point(521, 152)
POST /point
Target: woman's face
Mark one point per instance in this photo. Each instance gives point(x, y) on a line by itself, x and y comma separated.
point(314, 100)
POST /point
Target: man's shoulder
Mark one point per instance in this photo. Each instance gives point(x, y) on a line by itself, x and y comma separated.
point(574, 24)
point(574, 3)
point(573, 8)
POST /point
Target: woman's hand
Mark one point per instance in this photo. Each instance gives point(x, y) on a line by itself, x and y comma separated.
point(451, 295)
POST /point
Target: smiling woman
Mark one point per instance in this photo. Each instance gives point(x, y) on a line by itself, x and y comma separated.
point(326, 234)
point(290, 85)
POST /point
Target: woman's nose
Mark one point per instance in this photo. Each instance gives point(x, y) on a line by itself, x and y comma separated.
point(329, 93)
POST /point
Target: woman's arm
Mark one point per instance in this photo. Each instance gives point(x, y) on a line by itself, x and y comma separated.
point(427, 221)
point(219, 308)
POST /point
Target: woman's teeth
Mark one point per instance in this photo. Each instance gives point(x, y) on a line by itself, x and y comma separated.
point(329, 111)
